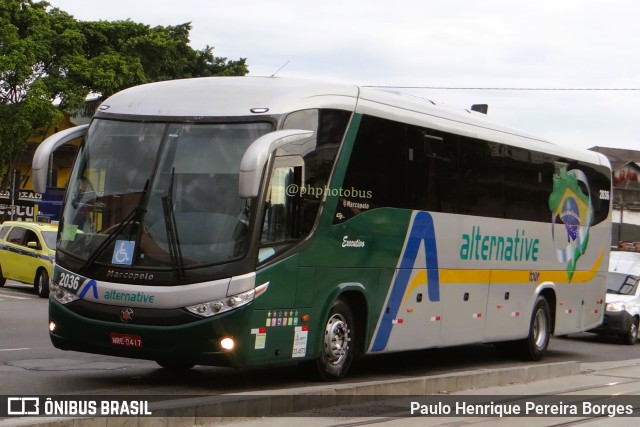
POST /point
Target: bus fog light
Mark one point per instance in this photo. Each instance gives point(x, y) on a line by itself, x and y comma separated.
point(227, 344)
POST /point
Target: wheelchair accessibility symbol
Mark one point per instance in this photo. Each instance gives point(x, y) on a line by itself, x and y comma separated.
point(123, 252)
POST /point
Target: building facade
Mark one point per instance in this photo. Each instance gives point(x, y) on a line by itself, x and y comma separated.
point(625, 165)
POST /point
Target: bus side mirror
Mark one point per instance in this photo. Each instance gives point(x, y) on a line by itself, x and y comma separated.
point(40, 163)
point(256, 156)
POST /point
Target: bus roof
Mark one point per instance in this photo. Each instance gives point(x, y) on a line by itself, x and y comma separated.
point(230, 97)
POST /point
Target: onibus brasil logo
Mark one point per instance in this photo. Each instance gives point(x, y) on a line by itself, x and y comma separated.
point(571, 208)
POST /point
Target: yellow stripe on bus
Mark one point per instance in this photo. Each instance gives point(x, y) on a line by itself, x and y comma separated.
point(449, 276)
point(585, 276)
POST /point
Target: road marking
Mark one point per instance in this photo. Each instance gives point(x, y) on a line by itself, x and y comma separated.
point(14, 349)
point(5, 295)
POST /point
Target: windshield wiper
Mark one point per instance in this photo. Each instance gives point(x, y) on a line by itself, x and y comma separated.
point(172, 230)
point(136, 212)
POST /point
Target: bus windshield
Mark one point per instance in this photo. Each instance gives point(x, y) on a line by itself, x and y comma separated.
point(158, 194)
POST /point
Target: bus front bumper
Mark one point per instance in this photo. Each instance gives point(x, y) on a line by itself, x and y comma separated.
point(196, 342)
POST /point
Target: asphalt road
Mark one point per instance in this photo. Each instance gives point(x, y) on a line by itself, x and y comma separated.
point(29, 364)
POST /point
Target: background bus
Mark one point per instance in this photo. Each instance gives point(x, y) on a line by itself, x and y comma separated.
point(245, 221)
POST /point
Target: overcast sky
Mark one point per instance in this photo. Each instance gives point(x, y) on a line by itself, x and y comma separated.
point(546, 44)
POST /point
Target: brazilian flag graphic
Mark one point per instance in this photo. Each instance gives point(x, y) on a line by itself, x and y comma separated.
point(571, 207)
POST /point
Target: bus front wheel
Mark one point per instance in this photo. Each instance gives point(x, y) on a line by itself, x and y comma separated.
point(337, 345)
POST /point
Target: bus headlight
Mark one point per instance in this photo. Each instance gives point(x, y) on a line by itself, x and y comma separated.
point(616, 306)
point(60, 294)
point(211, 308)
point(230, 302)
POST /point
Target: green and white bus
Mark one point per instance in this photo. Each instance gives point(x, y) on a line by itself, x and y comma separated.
point(242, 221)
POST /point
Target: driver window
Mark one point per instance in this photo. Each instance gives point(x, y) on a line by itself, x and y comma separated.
point(300, 178)
point(281, 224)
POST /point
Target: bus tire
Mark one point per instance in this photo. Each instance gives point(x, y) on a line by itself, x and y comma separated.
point(175, 365)
point(337, 343)
point(631, 336)
point(41, 283)
point(535, 345)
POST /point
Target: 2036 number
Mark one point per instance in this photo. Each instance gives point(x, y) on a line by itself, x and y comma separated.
point(69, 281)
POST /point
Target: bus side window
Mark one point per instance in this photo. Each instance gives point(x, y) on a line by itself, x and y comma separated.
point(432, 172)
point(376, 175)
point(400, 166)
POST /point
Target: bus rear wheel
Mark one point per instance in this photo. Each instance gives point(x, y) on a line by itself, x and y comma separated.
point(535, 345)
point(337, 345)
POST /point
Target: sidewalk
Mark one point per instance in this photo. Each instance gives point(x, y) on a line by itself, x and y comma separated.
point(389, 402)
point(596, 382)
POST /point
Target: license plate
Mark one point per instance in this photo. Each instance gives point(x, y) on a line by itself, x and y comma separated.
point(126, 340)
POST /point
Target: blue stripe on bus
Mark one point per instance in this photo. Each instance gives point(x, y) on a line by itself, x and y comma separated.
point(422, 230)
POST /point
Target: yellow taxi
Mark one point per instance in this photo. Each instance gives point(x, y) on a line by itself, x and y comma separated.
point(27, 251)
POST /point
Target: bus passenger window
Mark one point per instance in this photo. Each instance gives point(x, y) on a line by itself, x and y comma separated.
point(432, 173)
point(376, 175)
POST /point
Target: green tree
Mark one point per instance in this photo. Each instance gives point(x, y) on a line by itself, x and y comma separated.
point(146, 54)
point(50, 62)
point(35, 46)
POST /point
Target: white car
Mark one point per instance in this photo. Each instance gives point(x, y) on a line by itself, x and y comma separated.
point(622, 309)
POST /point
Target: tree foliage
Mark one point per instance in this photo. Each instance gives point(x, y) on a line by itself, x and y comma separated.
point(49, 62)
point(139, 54)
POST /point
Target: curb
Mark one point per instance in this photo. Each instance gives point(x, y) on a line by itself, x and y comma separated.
point(194, 411)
